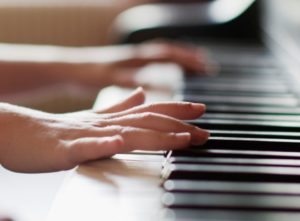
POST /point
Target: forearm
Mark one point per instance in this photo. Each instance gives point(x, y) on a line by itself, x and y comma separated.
point(28, 66)
point(25, 67)
point(19, 75)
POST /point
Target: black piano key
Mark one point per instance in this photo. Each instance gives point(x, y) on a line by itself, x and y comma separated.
point(180, 214)
point(236, 87)
point(228, 63)
point(253, 125)
point(250, 72)
point(236, 79)
point(227, 73)
point(234, 161)
point(255, 134)
point(225, 153)
point(232, 173)
point(260, 144)
point(243, 60)
point(258, 188)
point(231, 201)
point(218, 108)
point(234, 93)
point(255, 117)
point(237, 100)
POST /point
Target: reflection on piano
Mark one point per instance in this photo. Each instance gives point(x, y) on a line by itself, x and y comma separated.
point(248, 170)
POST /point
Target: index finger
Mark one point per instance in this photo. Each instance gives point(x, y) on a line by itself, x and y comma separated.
point(179, 110)
point(190, 58)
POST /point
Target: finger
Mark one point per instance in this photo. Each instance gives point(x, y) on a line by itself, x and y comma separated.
point(145, 139)
point(124, 77)
point(142, 139)
point(128, 78)
point(136, 98)
point(91, 148)
point(189, 58)
point(160, 123)
point(179, 110)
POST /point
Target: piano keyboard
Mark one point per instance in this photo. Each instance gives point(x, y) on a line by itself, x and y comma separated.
point(249, 170)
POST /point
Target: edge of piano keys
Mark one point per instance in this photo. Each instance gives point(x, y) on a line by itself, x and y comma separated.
point(111, 189)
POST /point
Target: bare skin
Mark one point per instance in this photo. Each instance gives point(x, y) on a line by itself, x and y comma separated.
point(39, 66)
point(33, 141)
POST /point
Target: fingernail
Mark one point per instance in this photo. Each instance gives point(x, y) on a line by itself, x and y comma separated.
point(200, 136)
point(199, 106)
point(198, 109)
point(117, 138)
point(139, 89)
point(184, 135)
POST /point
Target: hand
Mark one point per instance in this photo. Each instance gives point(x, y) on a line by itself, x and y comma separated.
point(122, 62)
point(33, 141)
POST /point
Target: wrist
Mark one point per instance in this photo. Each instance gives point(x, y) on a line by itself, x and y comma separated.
point(12, 117)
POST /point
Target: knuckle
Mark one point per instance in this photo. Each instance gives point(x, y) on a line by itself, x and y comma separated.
point(100, 123)
point(148, 116)
point(114, 128)
point(117, 129)
point(126, 130)
point(65, 151)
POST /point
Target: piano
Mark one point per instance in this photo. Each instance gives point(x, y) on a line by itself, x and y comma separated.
point(249, 170)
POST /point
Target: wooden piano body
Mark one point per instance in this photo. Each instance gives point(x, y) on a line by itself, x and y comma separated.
point(248, 170)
